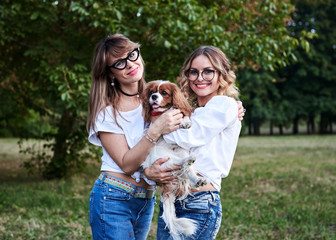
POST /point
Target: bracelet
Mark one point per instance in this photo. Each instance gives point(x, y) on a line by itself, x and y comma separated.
point(149, 138)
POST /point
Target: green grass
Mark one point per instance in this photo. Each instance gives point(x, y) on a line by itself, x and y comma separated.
point(278, 188)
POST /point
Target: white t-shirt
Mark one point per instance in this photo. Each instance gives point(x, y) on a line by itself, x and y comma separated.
point(131, 125)
point(212, 138)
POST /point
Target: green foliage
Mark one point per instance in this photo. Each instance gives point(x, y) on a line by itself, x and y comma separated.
point(48, 73)
point(46, 49)
point(302, 91)
point(262, 99)
point(310, 81)
point(169, 30)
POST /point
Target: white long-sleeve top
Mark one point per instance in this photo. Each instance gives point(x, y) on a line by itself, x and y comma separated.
point(212, 138)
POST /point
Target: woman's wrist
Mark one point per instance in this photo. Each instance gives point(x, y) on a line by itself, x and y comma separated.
point(152, 133)
point(150, 175)
point(146, 172)
point(149, 138)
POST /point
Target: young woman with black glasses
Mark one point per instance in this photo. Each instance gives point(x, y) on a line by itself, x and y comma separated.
point(121, 207)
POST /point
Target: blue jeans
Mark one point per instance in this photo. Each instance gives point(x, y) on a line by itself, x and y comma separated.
point(203, 207)
point(116, 214)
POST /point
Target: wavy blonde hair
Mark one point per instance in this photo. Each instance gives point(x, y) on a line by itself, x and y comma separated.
point(221, 64)
point(102, 94)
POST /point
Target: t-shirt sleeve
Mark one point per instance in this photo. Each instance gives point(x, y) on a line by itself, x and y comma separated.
point(105, 122)
point(207, 122)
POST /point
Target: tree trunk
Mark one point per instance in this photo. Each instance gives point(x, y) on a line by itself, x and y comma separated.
point(57, 168)
point(311, 125)
point(322, 124)
point(312, 122)
point(280, 129)
point(250, 128)
point(271, 127)
point(325, 122)
point(296, 125)
point(256, 127)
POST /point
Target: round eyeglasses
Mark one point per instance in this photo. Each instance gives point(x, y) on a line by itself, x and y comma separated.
point(121, 64)
point(207, 74)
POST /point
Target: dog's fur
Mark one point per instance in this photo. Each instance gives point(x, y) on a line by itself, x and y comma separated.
point(160, 96)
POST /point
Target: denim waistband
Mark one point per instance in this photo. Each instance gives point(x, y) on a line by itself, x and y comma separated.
point(203, 194)
point(196, 194)
point(135, 191)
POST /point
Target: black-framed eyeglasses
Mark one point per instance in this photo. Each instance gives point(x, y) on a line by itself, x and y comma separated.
point(121, 64)
point(207, 74)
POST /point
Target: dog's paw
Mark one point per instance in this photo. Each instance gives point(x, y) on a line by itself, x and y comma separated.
point(201, 182)
point(191, 160)
point(186, 123)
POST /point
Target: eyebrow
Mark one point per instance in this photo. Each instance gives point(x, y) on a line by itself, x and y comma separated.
point(121, 58)
point(210, 68)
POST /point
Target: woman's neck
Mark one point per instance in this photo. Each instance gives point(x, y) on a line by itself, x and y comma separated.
point(129, 89)
point(128, 103)
point(202, 100)
point(129, 97)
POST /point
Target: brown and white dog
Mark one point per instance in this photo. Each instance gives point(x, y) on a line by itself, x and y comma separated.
point(158, 97)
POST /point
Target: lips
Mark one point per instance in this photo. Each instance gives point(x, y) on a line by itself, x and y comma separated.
point(133, 72)
point(201, 86)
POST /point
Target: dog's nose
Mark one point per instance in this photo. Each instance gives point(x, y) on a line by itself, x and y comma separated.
point(154, 97)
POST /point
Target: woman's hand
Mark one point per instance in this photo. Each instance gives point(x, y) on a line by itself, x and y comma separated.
point(168, 122)
point(161, 175)
point(241, 111)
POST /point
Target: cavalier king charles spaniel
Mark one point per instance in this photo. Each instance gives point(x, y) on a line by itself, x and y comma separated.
point(158, 97)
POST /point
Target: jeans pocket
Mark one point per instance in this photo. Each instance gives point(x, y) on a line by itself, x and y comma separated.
point(198, 205)
point(197, 210)
point(206, 210)
point(117, 194)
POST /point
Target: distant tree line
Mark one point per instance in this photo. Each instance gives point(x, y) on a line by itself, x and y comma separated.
point(302, 93)
point(46, 49)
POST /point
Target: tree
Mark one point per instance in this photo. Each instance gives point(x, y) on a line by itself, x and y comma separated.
point(263, 100)
point(46, 48)
point(311, 80)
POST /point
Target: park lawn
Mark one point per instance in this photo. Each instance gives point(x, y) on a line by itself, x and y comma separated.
point(279, 188)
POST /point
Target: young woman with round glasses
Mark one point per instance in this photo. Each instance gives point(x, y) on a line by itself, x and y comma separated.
point(207, 74)
point(208, 81)
point(121, 207)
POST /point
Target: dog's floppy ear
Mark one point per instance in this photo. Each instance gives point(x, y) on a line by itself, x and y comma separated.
point(145, 100)
point(180, 102)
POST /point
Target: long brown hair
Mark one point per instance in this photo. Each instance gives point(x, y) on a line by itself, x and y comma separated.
point(221, 63)
point(102, 94)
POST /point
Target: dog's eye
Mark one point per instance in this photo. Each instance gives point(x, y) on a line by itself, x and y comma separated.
point(151, 92)
point(164, 93)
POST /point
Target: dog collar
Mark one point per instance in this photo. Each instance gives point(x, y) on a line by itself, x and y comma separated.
point(153, 113)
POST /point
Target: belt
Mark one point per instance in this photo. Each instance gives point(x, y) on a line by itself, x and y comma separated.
point(135, 191)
